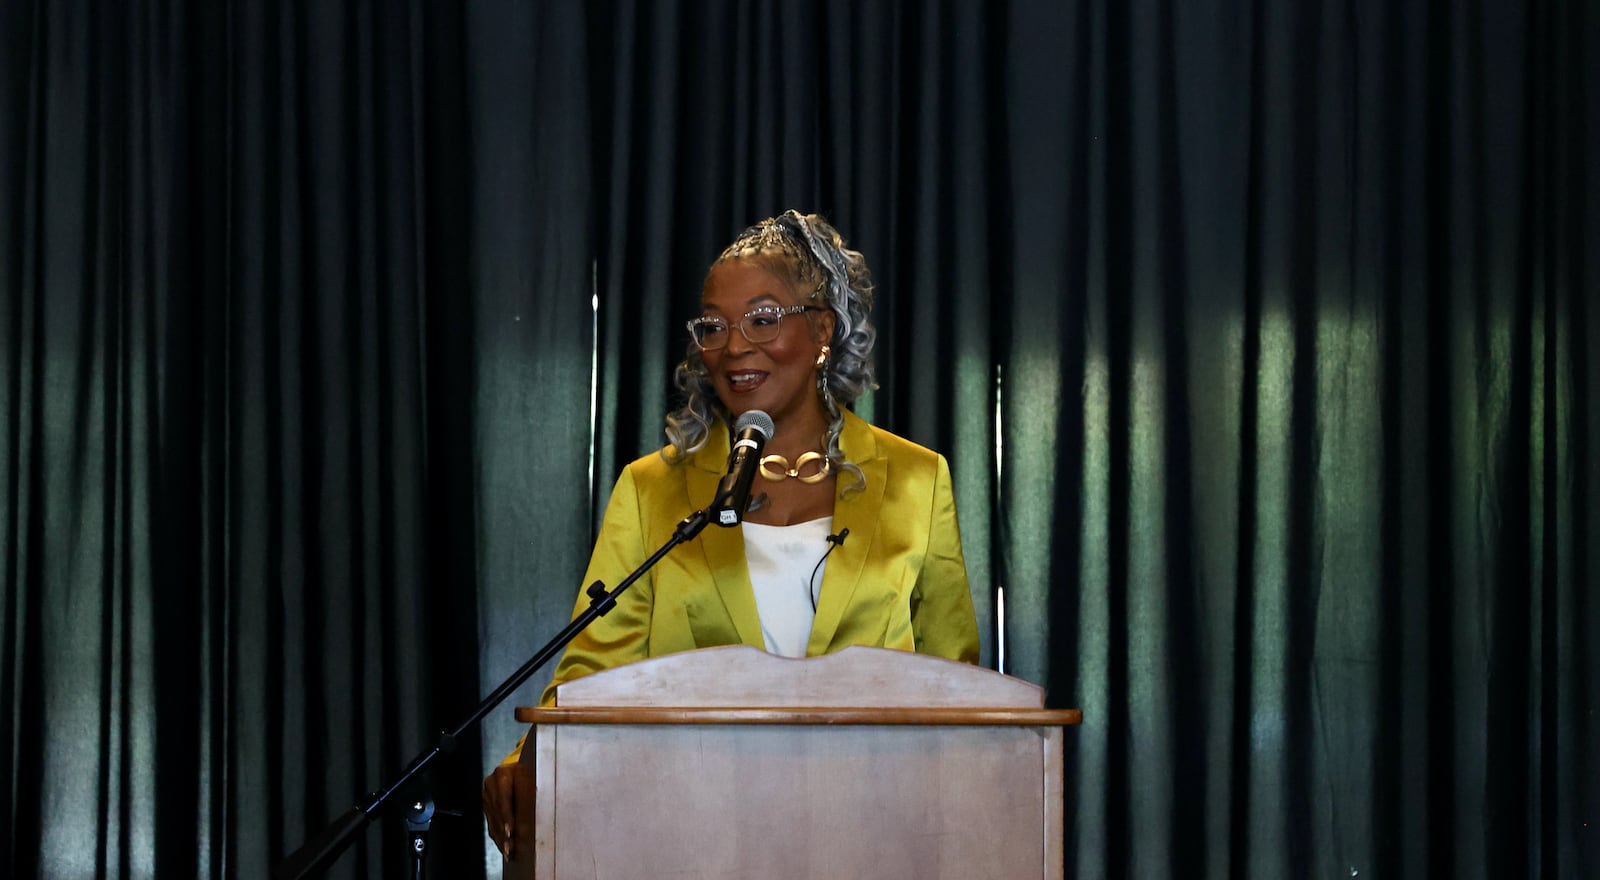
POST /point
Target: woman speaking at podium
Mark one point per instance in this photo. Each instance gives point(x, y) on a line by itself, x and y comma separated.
point(850, 537)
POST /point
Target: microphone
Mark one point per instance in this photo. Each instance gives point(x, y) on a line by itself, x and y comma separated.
point(750, 434)
point(834, 543)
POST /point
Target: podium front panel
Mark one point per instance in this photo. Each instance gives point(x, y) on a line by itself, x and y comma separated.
point(798, 801)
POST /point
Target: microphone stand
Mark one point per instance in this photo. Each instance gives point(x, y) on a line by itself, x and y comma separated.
point(321, 850)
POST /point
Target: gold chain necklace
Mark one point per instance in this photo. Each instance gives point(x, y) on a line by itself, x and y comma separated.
point(775, 467)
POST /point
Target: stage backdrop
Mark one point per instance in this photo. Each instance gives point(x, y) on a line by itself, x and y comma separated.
point(1259, 335)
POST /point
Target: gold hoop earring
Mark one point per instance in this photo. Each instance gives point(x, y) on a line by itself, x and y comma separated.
point(822, 356)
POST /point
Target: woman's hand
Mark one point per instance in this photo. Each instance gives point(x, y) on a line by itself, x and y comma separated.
point(500, 807)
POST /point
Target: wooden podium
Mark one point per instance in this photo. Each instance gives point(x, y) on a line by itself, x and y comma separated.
point(734, 763)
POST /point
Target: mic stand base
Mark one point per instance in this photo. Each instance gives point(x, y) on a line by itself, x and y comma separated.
point(417, 821)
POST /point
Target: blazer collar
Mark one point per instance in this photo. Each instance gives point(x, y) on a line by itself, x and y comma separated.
point(857, 511)
point(723, 547)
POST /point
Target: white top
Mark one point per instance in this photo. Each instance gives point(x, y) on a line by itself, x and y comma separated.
point(782, 560)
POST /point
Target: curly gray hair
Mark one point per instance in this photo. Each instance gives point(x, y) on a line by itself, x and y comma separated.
point(805, 249)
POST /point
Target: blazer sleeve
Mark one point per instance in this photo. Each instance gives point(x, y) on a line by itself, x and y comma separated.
point(942, 615)
point(622, 635)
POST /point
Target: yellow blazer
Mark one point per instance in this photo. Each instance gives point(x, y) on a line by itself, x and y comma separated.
point(898, 581)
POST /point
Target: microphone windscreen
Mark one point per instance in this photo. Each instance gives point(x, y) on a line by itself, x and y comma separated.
point(755, 419)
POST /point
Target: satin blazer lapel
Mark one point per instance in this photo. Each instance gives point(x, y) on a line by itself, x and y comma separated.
point(723, 547)
point(860, 513)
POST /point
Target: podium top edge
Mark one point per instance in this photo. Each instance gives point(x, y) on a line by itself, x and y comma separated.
point(820, 716)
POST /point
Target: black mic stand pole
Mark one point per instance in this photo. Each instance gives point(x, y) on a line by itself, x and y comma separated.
point(318, 852)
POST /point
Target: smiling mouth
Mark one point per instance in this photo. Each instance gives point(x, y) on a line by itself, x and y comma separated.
point(745, 380)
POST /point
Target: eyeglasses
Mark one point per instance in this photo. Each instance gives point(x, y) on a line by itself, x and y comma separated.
point(759, 325)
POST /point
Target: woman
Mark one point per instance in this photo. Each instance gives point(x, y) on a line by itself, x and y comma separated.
point(851, 538)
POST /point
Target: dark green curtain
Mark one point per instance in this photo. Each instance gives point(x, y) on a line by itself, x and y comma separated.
point(1257, 333)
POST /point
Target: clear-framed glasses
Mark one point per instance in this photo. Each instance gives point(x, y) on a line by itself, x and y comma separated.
point(758, 325)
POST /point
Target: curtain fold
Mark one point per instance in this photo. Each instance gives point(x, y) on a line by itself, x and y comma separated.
point(1258, 336)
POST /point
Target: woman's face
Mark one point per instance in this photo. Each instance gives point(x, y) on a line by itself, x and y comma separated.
point(778, 376)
